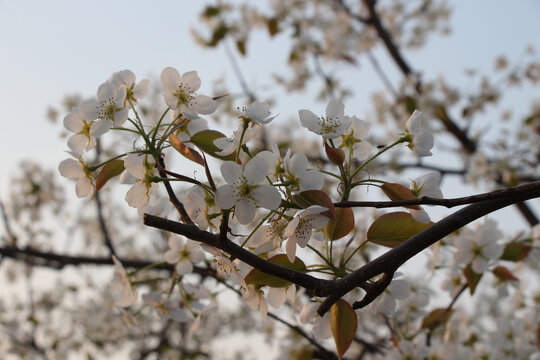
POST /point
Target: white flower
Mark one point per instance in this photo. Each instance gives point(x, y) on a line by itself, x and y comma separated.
point(321, 325)
point(353, 139)
point(228, 145)
point(399, 289)
point(196, 206)
point(110, 104)
point(479, 247)
point(81, 122)
point(183, 254)
point(259, 112)
point(165, 307)
point(331, 127)
point(255, 299)
point(127, 79)
point(267, 237)
point(300, 228)
point(244, 189)
point(420, 138)
point(297, 174)
point(122, 286)
point(138, 166)
point(223, 264)
point(425, 185)
point(76, 169)
point(180, 93)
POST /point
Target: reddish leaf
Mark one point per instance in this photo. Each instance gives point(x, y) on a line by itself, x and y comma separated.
point(259, 278)
point(304, 354)
point(394, 228)
point(344, 323)
point(337, 156)
point(502, 273)
point(341, 224)
point(316, 197)
point(472, 278)
point(187, 152)
point(109, 170)
point(436, 317)
point(516, 251)
point(205, 141)
point(399, 192)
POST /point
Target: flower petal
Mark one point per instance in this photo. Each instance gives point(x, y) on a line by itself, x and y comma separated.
point(203, 105)
point(226, 196)
point(191, 81)
point(310, 120)
point(267, 196)
point(245, 211)
point(231, 172)
point(335, 109)
point(170, 78)
point(137, 196)
point(71, 168)
point(134, 164)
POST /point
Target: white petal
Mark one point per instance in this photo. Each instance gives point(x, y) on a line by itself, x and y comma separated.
point(196, 255)
point(73, 122)
point(276, 297)
point(137, 196)
point(308, 312)
point(387, 304)
point(362, 150)
point(84, 187)
point(191, 81)
point(257, 168)
point(322, 327)
point(311, 180)
point(203, 104)
point(400, 289)
point(245, 211)
point(420, 216)
point(493, 250)
point(310, 120)
point(71, 168)
point(171, 256)
point(267, 196)
point(231, 172)
point(88, 110)
point(335, 108)
point(141, 89)
point(258, 111)
point(423, 142)
point(184, 267)
point(105, 91)
point(134, 164)
point(120, 96)
point(170, 78)
point(77, 143)
point(414, 122)
point(120, 117)
point(319, 221)
point(479, 265)
point(100, 127)
point(226, 196)
point(290, 248)
point(298, 164)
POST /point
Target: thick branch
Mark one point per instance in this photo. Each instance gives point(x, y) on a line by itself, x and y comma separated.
point(393, 259)
point(172, 196)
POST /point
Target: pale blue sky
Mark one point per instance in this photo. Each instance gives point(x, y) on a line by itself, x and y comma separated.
point(53, 48)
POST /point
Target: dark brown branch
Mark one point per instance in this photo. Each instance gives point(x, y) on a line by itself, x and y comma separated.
point(393, 259)
point(172, 196)
point(449, 203)
point(103, 224)
point(9, 231)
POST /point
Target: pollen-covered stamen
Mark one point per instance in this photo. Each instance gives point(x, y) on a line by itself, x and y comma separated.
point(106, 109)
point(183, 95)
point(329, 124)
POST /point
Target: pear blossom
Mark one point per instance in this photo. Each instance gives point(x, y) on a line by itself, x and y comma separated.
point(297, 174)
point(180, 93)
point(184, 254)
point(186, 128)
point(399, 289)
point(134, 92)
point(223, 264)
point(228, 145)
point(268, 237)
point(300, 228)
point(77, 169)
point(419, 137)
point(425, 185)
point(197, 207)
point(255, 299)
point(244, 189)
point(167, 308)
point(321, 325)
point(479, 247)
point(127, 294)
point(142, 170)
point(259, 113)
point(330, 127)
point(353, 139)
point(81, 122)
point(277, 296)
point(110, 104)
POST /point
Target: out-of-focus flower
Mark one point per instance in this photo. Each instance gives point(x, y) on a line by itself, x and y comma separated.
point(77, 169)
point(134, 92)
point(127, 294)
point(167, 308)
point(184, 254)
point(479, 246)
point(419, 137)
point(399, 289)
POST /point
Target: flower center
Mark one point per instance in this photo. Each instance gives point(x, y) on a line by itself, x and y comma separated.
point(182, 95)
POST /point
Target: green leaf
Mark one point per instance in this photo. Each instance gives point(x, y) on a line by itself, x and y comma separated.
point(210, 11)
point(394, 228)
point(436, 317)
point(396, 191)
point(205, 141)
point(187, 152)
point(316, 197)
point(341, 224)
point(109, 170)
point(516, 251)
point(259, 278)
point(344, 323)
point(472, 278)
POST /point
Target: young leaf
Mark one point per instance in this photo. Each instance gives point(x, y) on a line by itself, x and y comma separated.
point(394, 228)
point(109, 170)
point(516, 251)
point(503, 274)
point(341, 224)
point(396, 191)
point(337, 156)
point(316, 197)
point(259, 278)
point(187, 152)
point(205, 141)
point(344, 323)
point(436, 317)
point(472, 278)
